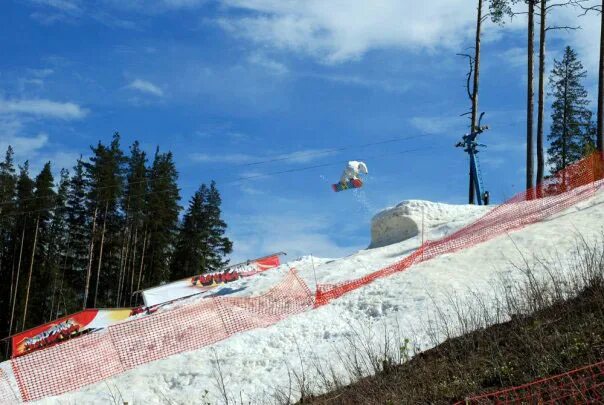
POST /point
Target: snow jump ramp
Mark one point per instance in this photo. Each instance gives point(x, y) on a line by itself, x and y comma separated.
point(404, 221)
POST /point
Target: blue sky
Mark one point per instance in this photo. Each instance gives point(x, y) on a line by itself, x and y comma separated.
point(225, 83)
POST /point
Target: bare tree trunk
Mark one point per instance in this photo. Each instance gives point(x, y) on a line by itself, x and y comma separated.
point(12, 276)
point(123, 255)
point(540, 107)
point(52, 299)
point(90, 256)
point(600, 129)
point(475, 91)
point(123, 259)
point(31, 269)
point(140, 273)
point(123, 278)
point(98, 271)
point(133, 263)
point(530, 95)
point(12, 314)
point(60, 292)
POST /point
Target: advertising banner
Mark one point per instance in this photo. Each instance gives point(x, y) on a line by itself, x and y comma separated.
point(249, 269)
point(198, 284)
point(65, 328)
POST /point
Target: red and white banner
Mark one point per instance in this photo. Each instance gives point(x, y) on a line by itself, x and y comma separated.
point(66, 327)
point(198, 284)
point(260, 265)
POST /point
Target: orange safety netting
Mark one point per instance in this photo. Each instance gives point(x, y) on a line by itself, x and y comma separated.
point(94, 357)
point(566, 188)
point(584, 385)
point(97, 356)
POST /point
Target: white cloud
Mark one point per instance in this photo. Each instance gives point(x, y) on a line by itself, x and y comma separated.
point(43, 108)
point(63, 5)
point(443, 125)
point(358, 81)
point(507, 146)
point(494, 162)
point(301, 156)
point(183, 3)
point(268, 63)
point(146, 87)
point(232, 158)
point(153, 7)
point(238, 137)
point(305, 156)
point(340, 30)
point(514, 57)
point(25, 147)
point(586, 40)
point(41, 73)
point(295, 233)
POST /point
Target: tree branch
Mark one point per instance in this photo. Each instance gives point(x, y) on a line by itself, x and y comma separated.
point(597, 7)
point(555, 27)
point(470, 72)
point(566, 3)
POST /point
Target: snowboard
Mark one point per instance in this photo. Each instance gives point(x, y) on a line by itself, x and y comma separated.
point(352, 183)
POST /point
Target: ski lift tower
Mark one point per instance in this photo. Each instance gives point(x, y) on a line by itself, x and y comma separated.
point(470, 146)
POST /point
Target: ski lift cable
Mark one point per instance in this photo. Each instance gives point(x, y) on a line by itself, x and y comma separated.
point(328, 164)
point(282, 157)
point(288, 156)
point(235, 181)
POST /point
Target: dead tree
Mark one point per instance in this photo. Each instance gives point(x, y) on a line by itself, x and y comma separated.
point(90, 257)
point(31, 269)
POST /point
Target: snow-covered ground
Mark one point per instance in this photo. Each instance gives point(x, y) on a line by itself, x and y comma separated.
point(255, 365)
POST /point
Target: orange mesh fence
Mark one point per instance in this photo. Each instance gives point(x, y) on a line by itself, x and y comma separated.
point(67, 366)
point(95, 357)
point(566, 188)
point(581, 386)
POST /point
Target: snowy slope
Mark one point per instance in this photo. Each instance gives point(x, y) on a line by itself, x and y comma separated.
point(257, 364)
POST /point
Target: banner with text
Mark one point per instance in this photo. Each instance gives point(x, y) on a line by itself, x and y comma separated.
point(65, 328)
point(198, 284)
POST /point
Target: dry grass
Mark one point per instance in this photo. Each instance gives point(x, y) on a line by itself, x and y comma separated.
point(541, 326)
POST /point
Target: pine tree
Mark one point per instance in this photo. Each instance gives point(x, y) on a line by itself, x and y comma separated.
point(201, 245)
point(218, 245)
point(161, 222)
point(8, 184)
point(21, 236)
point(43, 203)
point(134, 205)
point(79, 226)
point(570, 117)
point(589, 142)
point(58, 249)
point(104, 173)
point(192, 238)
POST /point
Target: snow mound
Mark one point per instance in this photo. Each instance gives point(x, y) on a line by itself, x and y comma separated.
point(405, 221)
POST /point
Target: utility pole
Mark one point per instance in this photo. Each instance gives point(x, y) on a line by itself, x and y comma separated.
point(470, 145)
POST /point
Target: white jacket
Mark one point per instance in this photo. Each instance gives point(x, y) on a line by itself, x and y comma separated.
point(352, 171)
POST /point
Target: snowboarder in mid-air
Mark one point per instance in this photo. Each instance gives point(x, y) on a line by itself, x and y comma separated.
point(350, 176)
